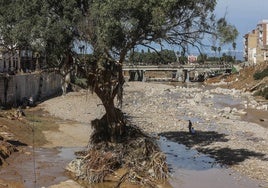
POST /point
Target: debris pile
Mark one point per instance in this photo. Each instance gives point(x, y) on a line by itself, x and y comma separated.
point(137, 156)
point(6, 149)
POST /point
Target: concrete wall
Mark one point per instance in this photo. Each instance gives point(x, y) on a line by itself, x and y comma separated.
point(14, 88)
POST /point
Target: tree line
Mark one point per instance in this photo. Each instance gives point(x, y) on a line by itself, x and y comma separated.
point(165, 57)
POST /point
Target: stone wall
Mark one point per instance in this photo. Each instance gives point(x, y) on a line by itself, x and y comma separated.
point(15, 88)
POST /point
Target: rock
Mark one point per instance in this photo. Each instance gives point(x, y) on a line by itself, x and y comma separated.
point(234, 110)
point(227, 110)
point(75, 167)
point(198, 98)
point(241, 112)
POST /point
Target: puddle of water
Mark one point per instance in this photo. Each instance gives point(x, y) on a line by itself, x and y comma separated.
point(49, 166)
point(189, 169)
point(180, 157)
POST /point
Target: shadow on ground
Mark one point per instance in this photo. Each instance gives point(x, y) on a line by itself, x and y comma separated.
point(223, 155)
point(16, 143)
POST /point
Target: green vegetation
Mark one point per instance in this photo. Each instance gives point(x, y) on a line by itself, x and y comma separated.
point(234, 70)
point(82, 82)
point(153, 58)
point(261, 75)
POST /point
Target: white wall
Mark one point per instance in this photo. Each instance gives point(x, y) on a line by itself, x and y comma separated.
point(36, 85)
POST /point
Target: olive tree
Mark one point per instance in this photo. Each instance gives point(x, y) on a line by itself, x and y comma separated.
point(114, 27)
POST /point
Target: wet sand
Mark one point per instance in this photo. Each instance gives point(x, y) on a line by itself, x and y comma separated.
point(256, 116)
point(43, 169)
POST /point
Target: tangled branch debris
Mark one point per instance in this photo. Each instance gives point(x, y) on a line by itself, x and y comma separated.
point(5, 150)
point(138, 156)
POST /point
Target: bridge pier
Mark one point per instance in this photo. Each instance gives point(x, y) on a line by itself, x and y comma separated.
point(186, 75)
point(137, 75)
point(179, 75)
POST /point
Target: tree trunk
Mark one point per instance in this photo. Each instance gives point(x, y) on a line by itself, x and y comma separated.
point(107, 84)
point(111, 127)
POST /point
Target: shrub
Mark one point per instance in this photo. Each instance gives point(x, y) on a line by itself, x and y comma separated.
point(82, 82)
point(234, 70)
point(261, 75)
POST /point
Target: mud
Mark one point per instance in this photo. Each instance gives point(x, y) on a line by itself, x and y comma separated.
point(41, 167)
point(256, 116)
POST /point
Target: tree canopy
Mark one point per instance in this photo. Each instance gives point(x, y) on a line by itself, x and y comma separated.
point(120, 25)
point(46, 26)
point(114, 26)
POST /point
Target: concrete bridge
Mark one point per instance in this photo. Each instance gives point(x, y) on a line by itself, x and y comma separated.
point(184, 73)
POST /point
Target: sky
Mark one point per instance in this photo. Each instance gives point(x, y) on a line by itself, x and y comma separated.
point(243, 14)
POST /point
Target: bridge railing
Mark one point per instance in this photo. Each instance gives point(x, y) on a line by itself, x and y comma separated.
point(190, 66)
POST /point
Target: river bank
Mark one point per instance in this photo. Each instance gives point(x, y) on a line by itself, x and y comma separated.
point(164, 110)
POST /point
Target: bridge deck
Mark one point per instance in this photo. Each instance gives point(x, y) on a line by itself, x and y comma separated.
point(179, 67)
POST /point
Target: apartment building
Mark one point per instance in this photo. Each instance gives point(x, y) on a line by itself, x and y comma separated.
point(262, 45)
point(256, 44)
point(9, 62)
point(250, 46)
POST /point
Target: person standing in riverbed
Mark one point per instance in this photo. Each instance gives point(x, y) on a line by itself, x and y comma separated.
point(190, 126)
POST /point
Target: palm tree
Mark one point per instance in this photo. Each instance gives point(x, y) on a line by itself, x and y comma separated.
point(214, 49)
point(219, 50)
point(234, 47)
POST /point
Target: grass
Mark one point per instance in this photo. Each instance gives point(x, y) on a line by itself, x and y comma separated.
point(261, 75)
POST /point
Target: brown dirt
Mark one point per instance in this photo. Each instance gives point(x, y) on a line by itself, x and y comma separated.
point(15, 131)
point(243, 80)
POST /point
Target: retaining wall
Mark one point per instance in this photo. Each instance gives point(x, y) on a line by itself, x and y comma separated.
point(15, 88)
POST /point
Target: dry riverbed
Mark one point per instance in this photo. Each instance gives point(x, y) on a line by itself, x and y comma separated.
point(164, 110)
point(221, 133)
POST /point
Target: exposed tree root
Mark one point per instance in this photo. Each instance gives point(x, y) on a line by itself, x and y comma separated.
point(137, 153)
